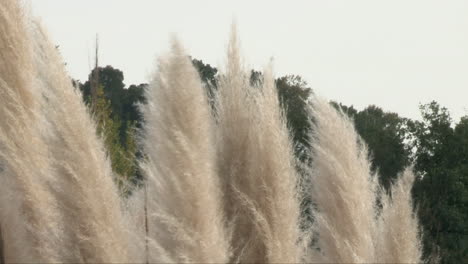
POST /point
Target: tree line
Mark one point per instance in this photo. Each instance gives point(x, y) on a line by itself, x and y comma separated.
point(436, 145)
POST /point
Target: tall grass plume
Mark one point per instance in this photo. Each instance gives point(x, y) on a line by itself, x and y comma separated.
point(218, 187)
point(185, 203)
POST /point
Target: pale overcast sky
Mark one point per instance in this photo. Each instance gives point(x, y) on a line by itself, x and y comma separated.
point(394, 54)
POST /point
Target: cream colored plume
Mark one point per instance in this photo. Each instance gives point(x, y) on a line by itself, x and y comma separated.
point(29, 215)
point(185, 213)
point(349, 225)
point(59, 203)
point(343, 189)
point(84, 183)
point(257, 166)
point(399, 240)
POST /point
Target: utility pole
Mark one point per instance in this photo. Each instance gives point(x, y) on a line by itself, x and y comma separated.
point(95, 77)
point(146, 222)
point(2, 256)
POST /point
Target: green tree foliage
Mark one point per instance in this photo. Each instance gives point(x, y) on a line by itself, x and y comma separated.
point(132, 97)
point(441, 190)
point(349, 110)
point(293, 94)
point(122, 157)
point(118, 115)
point(123, 101)
point(385, 134)
point(208, 75)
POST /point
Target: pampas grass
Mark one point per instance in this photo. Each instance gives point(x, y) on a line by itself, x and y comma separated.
point(349, 224)
point(66, 207)
point(84, 182)
point(28, 211)
point(218, 188)
point(185, 213)
point(234, 105)
point(342, 188)
point(257, 166)
point(399, 238)
point(273, 174)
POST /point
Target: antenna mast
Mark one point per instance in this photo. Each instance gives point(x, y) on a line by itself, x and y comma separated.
point(95, 76)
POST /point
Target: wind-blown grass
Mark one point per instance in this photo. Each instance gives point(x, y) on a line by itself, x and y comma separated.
point(65, 206)
point(343, 188)
point(218, 188)
point(349, 224)
point(257, 166)
point(185, 214)
point(399, 240)
point(28, 211)
point(84, 182)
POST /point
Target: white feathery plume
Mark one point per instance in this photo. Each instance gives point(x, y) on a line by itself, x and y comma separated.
point(29, 219)
point(399, 240)
point(84, 183)
point(274, 178)
point(343, 189)
point(236, 112)
point(257, 166)
point(185, 215)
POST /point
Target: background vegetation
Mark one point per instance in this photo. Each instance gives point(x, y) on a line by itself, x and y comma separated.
point(436, 145)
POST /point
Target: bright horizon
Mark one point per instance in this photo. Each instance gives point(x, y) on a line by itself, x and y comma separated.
point(392, 54)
